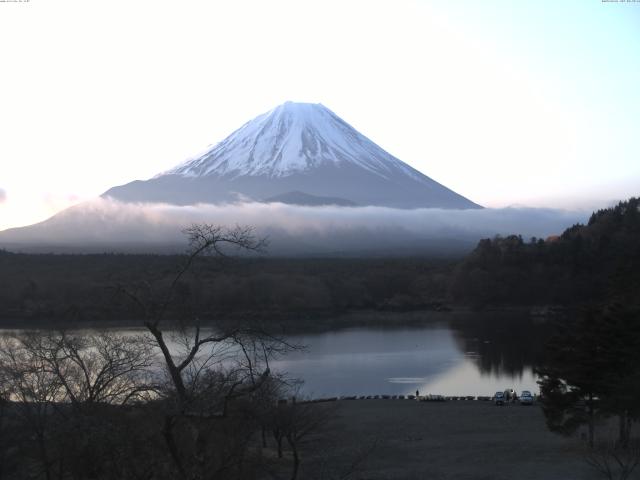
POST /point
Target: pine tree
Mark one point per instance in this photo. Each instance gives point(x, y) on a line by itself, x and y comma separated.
point(592, 369)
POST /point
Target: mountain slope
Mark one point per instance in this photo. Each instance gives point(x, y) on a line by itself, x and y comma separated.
point(294, 147)
point(304, 199)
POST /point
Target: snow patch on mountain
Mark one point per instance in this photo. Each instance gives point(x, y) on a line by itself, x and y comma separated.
point(292, 138)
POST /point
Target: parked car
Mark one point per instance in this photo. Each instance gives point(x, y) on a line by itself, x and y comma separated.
point(526, 398)
point(499, 398)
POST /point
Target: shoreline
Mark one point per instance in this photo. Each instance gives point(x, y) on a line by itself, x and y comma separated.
point(306, 323)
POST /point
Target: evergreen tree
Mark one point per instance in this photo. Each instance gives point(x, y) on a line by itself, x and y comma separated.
point(592, 369)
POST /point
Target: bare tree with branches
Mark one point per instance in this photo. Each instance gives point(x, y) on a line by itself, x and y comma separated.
point(208, 369)
point(94, 368)
point(35, 391)
point(97, 405)
point(59, 385)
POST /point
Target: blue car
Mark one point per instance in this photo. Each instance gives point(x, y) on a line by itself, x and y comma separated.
point(526, 398)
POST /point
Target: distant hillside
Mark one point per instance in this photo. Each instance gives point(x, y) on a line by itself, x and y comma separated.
point(596, 262)
point(304, 199)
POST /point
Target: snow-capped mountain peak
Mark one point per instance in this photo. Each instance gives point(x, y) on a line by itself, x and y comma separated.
point(291, 138)
point(299, 153)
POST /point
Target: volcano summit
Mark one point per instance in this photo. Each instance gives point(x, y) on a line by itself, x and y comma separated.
point(295, 151)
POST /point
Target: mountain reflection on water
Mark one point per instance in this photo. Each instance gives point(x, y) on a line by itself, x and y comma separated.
point(470, 355)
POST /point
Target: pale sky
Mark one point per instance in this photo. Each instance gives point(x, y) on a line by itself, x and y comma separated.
point(533, 103)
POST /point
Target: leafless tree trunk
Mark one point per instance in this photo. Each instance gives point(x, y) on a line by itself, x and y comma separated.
point(297, 421)
point(591, 420)
point(212, 368)
point(3, 408)
point(614, 461)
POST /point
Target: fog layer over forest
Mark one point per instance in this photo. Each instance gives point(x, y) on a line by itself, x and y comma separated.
point(109, 225)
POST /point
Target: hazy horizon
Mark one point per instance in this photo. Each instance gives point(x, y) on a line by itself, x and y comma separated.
point(530, 104)
point(104, 225)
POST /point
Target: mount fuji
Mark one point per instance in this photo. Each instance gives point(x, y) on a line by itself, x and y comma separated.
point(297, 153)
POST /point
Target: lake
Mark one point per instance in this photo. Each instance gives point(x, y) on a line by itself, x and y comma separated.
point(434, 359)
point(476, 354)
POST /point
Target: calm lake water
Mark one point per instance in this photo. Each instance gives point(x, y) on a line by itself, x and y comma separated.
point(472, 355)
point(435, 359)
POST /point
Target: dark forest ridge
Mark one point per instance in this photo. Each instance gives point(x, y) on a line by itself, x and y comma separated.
point(79, 288)
point(588, 263)
point(592, 262)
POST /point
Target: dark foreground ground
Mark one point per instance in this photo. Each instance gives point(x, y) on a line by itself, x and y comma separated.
point(403, 439)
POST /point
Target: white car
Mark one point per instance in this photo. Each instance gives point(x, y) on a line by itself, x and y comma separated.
point(526, 398)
